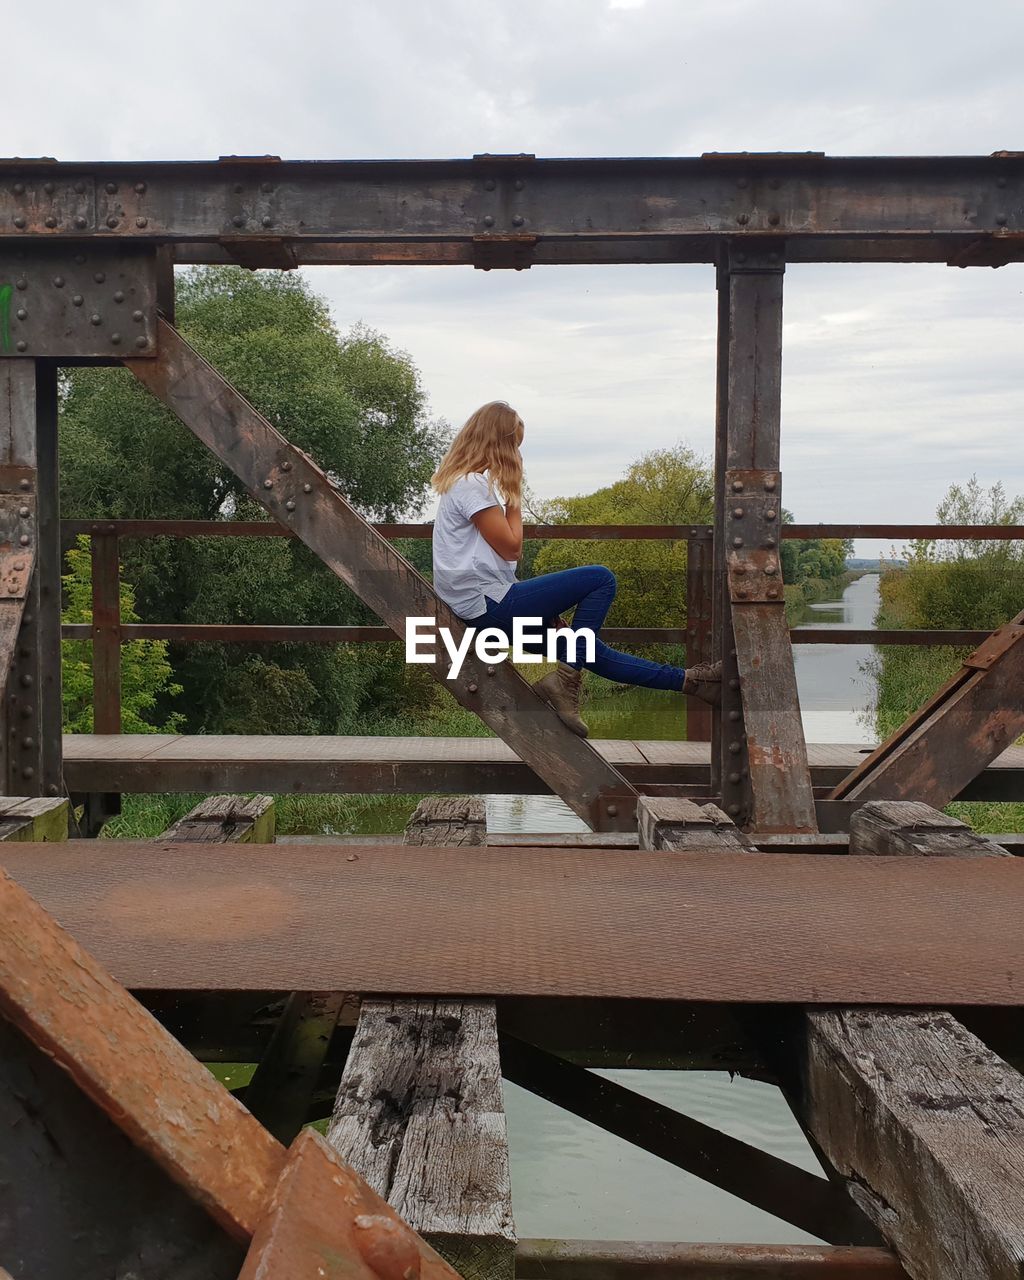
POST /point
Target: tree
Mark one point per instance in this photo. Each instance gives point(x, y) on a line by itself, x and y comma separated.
point(667, 486)
point(145, 671)
point(351, 401)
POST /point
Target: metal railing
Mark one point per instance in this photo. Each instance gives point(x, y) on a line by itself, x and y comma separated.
point(108, 633)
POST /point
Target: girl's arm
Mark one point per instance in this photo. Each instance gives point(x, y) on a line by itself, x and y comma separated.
point(502, 530)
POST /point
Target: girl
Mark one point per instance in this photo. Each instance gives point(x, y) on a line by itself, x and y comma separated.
point(477, 543)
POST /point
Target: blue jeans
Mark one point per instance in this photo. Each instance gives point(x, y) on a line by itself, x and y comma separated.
point(590, 590)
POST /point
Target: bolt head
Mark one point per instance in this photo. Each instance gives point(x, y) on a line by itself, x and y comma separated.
point(137, 315)
point(50, 222)
point(58, 282)
point(734, 778)
point(743, 219)
point(21, 283)
point(488, 221)
point(119, 296)
point(100, 277)
point(77, 300)
point(267, 222)
point(95, 319)
point(28, 772)
point(769, 486)
point(141, 222)
point(737, 513)
point(734, 748)
point(734, 684)
point(289, 505)
point(21, 345)
point(472, 688)
point(21, 313)
point(19, 222)
point(142, 341)
point(773, 219)
point(115, 339)
point(1001, 219)
point(24, 484)
point(140, 188)
point(268, 484)
point(81, 223)
point(307, 488)
point(770, 515)
point(769, 543)
point(24, 539)
point(22, 511)
point(737, 542)
point(286, 465)
point(19, 188)
point(238, 220)
point(111, 188)
point(737, 486)
point(387, 1247)
point(734, 810)
point(518, 220)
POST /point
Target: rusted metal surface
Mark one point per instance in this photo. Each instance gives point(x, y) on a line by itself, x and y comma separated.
point(291, 486)
point(965, 725)
point(862, 208)
point(105, 633)
point(166, 1102)
point(66, 301)
point(698, 636)
point(572, 922)
point(775, 1186)
point(657, 1260)
point(325, 1222)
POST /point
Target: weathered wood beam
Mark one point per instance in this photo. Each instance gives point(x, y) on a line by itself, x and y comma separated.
point(792, 1194)
point(961, 729)
point(294, 489)
point(226, 820)
point(39, 818)
point(921, 1117)
point(419, 1112)
point(759, 756)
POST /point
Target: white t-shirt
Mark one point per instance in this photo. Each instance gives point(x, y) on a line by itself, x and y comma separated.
point(466, 566)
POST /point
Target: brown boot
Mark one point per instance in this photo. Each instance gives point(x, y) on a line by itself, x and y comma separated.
point(705, 682)
point(561, 688)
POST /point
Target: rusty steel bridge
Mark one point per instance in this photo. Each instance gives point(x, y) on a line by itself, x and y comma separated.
point(801, 914)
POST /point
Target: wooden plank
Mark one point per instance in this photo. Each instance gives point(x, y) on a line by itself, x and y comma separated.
point(34, 819)
point(659, 1260)
point(419, 1112)
point(667, 823)
point(226, 820)
point(570, 922)
point(324, 1221)
point(796, 1196)
point(294, 489)
point(925, 1121)
point(961, 729)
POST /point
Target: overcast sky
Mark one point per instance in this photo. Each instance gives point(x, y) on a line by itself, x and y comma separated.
point(897, 380)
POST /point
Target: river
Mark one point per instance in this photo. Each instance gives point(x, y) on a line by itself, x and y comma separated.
point(570, 1178)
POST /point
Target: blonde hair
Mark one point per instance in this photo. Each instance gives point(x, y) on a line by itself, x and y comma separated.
point(489, 442)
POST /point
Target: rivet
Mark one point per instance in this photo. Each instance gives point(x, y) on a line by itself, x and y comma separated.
point(28, 772)
point(1001, 219)
point(268, 484)
point(140, 188)
point(489, 184)
point(519, 184)
point(518, 220)
point(734, 748)
point(58, 282)
point(769, 486)
point(387, 1247)
point(23, 512)
point(770, 515)
point(490, 671)
point(734, 684)
point(81, 223)
point(112, 222)
point(24, 484)
point(472, 688)
point(734, 810)
point(734, 715)
point(307, 488)
point(488, 221)
point(77, 300)
point(99, 277)
point(21, 284)
point(142, 222)
point(19, 222)
point(238, 220)
point(266, 188)
point(613, 810)
point(119, 296)
point(19, 188)
point(737, 486)
point(743, 219)
point(27, 711)
point(773, 219)
point(21, 313)
point(267, 222)
point(739, 568)
point(737, 513)
point(53, 789)
point(111, 188)
point(24, 539)
point(21, 345)
point(48, 188)
point(27, 681)
point(737, 542)
point(12, 590)
point(28, 743)
point(771, 566)
point(741, 594)
point(142, 341)
point(773, 593)
point(769, 543)
point(95, 319)
point(289, 505)
point(734, 778)
point(137, 315)
point(115, 339)
point(80, 188)
point(50, 222)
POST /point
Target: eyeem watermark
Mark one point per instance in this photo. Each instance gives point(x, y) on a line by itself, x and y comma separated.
point(531, 642)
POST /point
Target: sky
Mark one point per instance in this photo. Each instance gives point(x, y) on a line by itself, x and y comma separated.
point(897, 380)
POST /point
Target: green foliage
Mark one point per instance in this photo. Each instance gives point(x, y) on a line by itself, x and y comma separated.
point(145, 670)
point(352, 402)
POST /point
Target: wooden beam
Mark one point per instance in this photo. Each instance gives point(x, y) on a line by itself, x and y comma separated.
point(664, 822)
point(961, 729)
point(37, 818)
point(419, 1112)
point(226, 820)
point(921, 1117)
point(295, 491)
point(759, 753)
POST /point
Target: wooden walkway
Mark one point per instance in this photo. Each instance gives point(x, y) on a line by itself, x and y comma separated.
point(720, 926)
point(407, 766)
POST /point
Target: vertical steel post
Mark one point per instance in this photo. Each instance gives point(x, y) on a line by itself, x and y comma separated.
point(31, 710)
point(699, 593)
point(106, 631)
point(759, 755)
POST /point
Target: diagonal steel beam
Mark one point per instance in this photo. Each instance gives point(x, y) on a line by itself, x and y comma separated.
point(295, 491)
point(943, 746)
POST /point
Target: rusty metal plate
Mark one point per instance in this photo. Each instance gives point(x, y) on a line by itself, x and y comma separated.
point(571, 922)
point(94, 300)
point(325, 1223)
point(992, 649)
point(753, 501)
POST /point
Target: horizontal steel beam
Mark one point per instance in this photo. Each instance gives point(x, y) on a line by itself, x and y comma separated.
point(502, 208)
point(659, 1260)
